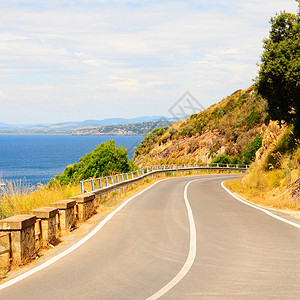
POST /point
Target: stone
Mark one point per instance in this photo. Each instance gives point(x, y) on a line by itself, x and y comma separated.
point(86, 205)
point(48, 223)
point(22, 228)
point(84, 197)
point(66, 210)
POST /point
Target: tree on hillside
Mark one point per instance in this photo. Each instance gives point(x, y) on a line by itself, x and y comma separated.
point(105, 160)
point(279, 75)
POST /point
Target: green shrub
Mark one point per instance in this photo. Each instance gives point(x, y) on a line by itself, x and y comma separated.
point(222, 159)
point(248, 154)
point(105, 160)
point(253, 118)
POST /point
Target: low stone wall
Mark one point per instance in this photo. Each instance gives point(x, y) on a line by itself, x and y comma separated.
point(48, 223)
point(22, 234)
point(67, 218)
point(86, 205)
point(45, 224)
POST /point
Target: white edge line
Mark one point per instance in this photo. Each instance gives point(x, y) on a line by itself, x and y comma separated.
point(259, 208)
point(77, 245)
point(192, 251)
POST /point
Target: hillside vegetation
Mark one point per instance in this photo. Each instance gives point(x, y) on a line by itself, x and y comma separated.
point(273, 179)
point(230, 131)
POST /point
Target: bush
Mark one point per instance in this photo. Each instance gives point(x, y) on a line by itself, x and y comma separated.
point(222, 159)
point(105, 160)
point(248, 154)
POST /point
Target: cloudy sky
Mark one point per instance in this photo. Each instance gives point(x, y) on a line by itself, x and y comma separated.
point(67, 60)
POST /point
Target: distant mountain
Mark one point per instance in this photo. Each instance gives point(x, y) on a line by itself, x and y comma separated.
point(142, 128)
point(4, 125)
point(111, 121)
point(70, 127)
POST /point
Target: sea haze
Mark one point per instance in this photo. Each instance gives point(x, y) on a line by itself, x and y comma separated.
point(38, 158)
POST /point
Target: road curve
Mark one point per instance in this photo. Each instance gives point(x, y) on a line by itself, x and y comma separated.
point(235, 252)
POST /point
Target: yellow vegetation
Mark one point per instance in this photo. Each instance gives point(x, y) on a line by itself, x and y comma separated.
point(20, 198)
point(276, 168)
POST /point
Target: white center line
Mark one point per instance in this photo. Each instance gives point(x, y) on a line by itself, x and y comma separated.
point(192, 251)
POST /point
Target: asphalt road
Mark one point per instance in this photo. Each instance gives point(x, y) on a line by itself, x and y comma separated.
point(206, 245)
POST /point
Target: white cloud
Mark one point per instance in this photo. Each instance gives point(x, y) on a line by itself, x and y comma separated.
point(64, 60)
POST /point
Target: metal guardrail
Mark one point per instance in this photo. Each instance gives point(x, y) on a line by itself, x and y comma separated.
point(107, 184)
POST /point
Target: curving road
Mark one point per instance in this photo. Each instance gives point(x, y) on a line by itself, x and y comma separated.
point(184, 238)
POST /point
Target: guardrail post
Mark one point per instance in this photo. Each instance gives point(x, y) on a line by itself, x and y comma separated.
point(122, 179)
point(117, 177)
point(106, 181)
point(184, 171)
point(82, 187)
point(100, 183)
point(112, 180)
point(92, 185)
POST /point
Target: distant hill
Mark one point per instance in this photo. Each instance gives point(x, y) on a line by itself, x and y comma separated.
point(71, 127)
point(142, 128)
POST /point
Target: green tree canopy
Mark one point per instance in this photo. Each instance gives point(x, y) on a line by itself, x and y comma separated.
point(279, 75)
point(105, 160)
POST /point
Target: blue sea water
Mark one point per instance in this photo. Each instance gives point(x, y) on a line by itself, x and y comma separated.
point(38, 158)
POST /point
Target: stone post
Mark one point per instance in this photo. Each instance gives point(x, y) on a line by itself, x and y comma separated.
point(22, 234)
point(86, 205)
point(48, 222)
point(66, 210)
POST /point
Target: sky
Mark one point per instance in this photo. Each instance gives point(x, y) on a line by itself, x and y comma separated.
point(75, 60)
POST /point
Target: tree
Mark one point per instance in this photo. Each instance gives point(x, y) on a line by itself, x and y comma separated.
point(279, 75)
point(105, 160)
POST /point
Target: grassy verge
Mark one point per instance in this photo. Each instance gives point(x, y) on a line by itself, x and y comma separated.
point(267, 188)
point(20, 198)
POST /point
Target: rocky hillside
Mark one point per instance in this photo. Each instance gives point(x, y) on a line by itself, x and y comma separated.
point(233, 128)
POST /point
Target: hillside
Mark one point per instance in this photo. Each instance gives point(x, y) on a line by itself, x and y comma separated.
point(142, 128)
point(273, 179)
point(234, 127)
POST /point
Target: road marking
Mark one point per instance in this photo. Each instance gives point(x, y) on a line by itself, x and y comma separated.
point(71, 249)
point(83, 240)
point(192, 251)
point(259, 208)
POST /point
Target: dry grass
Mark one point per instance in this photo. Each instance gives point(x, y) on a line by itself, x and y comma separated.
point(267, 188)
point(19, 197)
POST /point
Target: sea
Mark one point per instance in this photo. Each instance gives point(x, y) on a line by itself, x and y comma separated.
point(35, 159)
